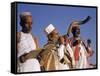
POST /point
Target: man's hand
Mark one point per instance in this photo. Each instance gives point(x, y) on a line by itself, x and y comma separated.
point(61, 40)
point(22, 58)
point(90, 52)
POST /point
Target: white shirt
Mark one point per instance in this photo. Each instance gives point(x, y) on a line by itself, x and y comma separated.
point(26, 44)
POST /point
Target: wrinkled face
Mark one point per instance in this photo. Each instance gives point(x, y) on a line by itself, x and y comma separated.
point(54, 36)
point(76, 31)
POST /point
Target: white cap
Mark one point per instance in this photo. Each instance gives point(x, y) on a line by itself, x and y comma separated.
point(23, 14)
point(49, 29)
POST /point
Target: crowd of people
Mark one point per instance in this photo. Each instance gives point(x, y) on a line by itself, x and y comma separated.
point(59, 53)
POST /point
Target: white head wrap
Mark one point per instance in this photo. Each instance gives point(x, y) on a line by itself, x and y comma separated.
point(49, 29)
point(23, 14)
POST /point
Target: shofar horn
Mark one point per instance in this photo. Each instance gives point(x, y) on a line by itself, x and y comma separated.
point(85, 20)
point(79, 23)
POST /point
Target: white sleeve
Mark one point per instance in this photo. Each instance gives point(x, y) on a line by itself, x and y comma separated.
point(61, 51)
point(70, 50)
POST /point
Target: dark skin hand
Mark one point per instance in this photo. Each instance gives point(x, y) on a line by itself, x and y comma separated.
point(30, 55)
point(61, 40)
point(22, 58)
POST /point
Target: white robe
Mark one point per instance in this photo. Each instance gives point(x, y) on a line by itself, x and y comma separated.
point(82, 63)
point(26, 45)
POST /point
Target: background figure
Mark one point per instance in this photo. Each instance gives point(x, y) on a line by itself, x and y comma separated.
point(26, 45)
point(81, 51)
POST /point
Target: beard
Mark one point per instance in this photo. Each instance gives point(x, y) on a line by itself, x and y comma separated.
point(55, 40)
point(77, 35)
point(28, 28)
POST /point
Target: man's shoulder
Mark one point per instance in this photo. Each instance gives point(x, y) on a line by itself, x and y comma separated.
point(49, 46)
point(34, 37)
point(18, 33)
point(18, 36)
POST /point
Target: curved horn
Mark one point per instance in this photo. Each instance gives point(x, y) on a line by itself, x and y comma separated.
point(85, 20)
point(79, 23)
point(69, 29)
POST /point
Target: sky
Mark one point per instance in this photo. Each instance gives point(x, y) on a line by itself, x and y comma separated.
point(60, 17)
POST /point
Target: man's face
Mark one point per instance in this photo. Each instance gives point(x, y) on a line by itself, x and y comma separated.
point(55, 35)
point(76, 31)
point(28, 23)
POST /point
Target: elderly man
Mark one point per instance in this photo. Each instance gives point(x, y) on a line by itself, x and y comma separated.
point(53, 56)
point(26, 45)
point(81, 51)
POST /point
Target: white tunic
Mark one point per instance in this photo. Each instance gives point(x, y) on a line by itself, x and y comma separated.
point(82, 63)
point(26, 45)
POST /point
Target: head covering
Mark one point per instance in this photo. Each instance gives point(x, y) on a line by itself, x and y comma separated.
point(77, 24)
point(49, 29)
point(23, 14)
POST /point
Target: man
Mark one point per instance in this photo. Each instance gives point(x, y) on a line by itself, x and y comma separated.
point(81, 51)
point(26, 45)
point(53, 56)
